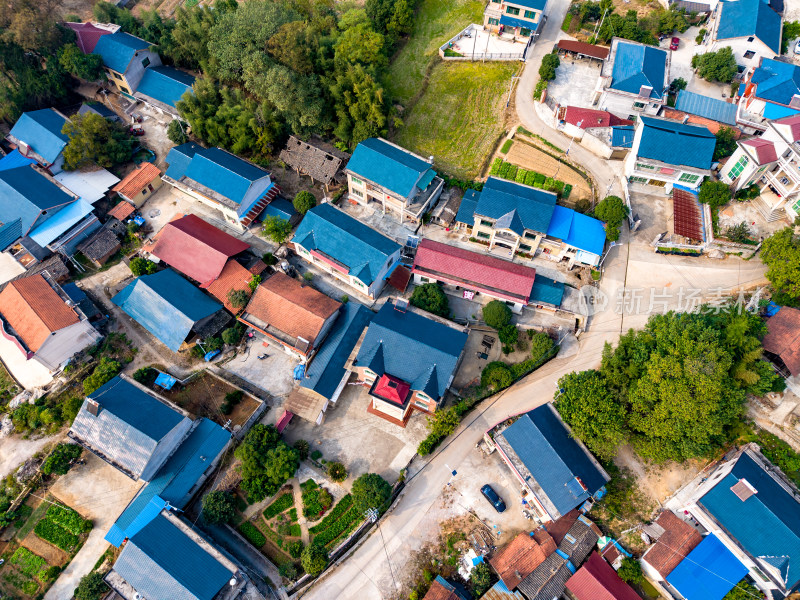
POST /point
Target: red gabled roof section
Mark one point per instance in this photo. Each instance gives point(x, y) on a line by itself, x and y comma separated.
point(138, 179)
point(794, 125)
point(87, 35)
point(764, 150)
point(783, 337)
point(233, 277)
point(589, 117)
point(196, 248)
point(597, 580)
point(520, 557)
point(677, 541)
point(392, 389)
point(122, 211)
point(495, 276)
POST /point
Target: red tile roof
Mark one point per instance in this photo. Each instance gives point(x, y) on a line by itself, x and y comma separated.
point(291, 307)
point(764, 149)
point(196, 248)
point(600, 52)
point(687, 219)
point(138, 179)
point(34, 310)
point(597, 580)
point(122, 211)
point(521, 556)
point(783, 337)
point(87, 35)
point(589, 117)
point(677, 541)
point(794, 125)
point(494, 276)
point(439, 592)
point(392, 389)
point(233, 277)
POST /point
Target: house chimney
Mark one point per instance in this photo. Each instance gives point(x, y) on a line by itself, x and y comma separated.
point(93, 407)
point(430, 159)
point(645, 91)
point(795, 101)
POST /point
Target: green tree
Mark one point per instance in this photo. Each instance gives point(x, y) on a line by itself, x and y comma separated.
point(726, 142)
point(612, 210)
point(266, 462)
point(83, 66)
point(232, 335)
point(370, 490)
point(481, 579)
point(547, 70)
point(176, 132)
point(28, 82)
point(496, 314)
point(91, 587)
point(304, 201)
point(781, 253)
point(104, 372)
point(496, 376)
point(630, 571)
point(678, 84)
point(58, 461)
point(508, 334)
point(360, 105)
point(254, 282)
point(541, 344)
point(739, 233)
point(430, 297)
point(443, 422)
point(716, 66)
point(302, 447)
point(380, 12)
point(595, 415)
point(288, 569)
point(337, 471)
point(714, 193)
point(142, 266)
point(296, 46)
point(360, 44)
point(402, 21)
point(238, 298)
point(218, 507)
point(314, 559)
point(276, 229)
point(94, 139)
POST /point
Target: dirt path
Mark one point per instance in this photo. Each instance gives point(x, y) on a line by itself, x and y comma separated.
point(14, 450)
point(298, 503)
point(659, 482)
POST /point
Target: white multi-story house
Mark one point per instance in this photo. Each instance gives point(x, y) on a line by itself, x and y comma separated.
point(749, 27)
point(666, 153)
point(772, 162)
point(517, 18)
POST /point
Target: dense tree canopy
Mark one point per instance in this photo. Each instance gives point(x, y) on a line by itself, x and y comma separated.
point(430, 297)
point(716, 66)
point(781, 253)
point(95, 140)
point(266, 462)
point(370, 490)
point(218, 507)
point(726, 142)
point(612, 211)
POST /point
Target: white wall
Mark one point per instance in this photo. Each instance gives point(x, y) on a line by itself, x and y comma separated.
point(65, 343)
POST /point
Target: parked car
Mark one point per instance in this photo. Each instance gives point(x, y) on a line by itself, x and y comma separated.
point(675, 43)
point(797, 47)
point(136, 131)
point(495, 500)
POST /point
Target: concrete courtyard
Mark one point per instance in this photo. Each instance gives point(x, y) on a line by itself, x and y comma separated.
point(482, 42)
point(575, 81)
point(272, 374)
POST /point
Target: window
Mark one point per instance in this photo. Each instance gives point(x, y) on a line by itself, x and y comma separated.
point(638, 179)
point(150, 187)
point(638, 105)
point(524, 32)
point(419, 404)
point(749, 54)
point(494, 21)
point(511, 10)
point(738, 167)
point(688, 178)
point(784, 181)
point(644, 167)
point(484, 236)
point(529, 14)
point(358, 193)
point(525, 247)
point(486, 223)
point(531, 235)
point(124, 90)
point(750, 39)
point(356, 180)
point(146, 62)
point(424, 280)
point(391, 261)
point(497, 1)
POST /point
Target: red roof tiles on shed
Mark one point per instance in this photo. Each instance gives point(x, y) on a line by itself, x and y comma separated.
point(597, 580)
point(122, 211)
point(196, 248)
point(233, 277)
point(87, 35)
point(138, 179)
point(494, 276)
point(783, 337)
point(764, 150)
point(521, 556)
point(677, 541)
point(599, 52)
point(588, 117)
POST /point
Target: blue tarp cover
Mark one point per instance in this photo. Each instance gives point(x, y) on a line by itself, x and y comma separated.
point(165, 381)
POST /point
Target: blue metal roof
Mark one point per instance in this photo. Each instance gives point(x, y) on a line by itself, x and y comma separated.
point(773, 112)
point(165, 304)
point(547, 290)
point(676, 143)
point(118, 49)
point(14, 159)
point(767, 524)
point(466, 210)
point(745, 18)
point(554, 458)
point(326, 370)
point(228, 175)
point(622, 136)
point(578, 230)
point(346, 240)
point(399, 171)
point(510, 21)
point(708, 572)
point(532, 4)
point(519, 206)
point(636, 65)
point(280, 207)
point(61, 222)
point(418, 350)
point(25, 193)
point(499, 591)
point(41, 130)
point(9, 233)
point(179, 158)
point(162, 561)
point(776, 81)
point(165, 84)
point(709, 108)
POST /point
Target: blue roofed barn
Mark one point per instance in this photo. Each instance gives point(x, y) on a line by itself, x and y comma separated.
point(37, 134)
point(556, 469)
point(126, 58)
point(162, 87)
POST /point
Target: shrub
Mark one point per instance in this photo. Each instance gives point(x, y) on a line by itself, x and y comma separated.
point(55, 534)
point(630, 571)
point(104, 372)
point(568, 191)
point(238, 298)
point(59, 459)
point(279, 505)
point(142, 266)
point(512, 172)
point(176, 132)
point(232, 335)
point(302, 449)
point(612, 210)
point(70, 408)
point(295, 548)
point(541, 86)
point(316, 455)
point(530, 178)
point(496, 164)
point(714, 193)
point(337, 471)
point(344, 299)
point(496, 376)
point(496, 314)
point(304, 201)
point(218, 507)
point(314, 559)
point(48, 574)
point(370, 490)
point(269, 259)
point(506, 146)
point(146, 376)
point(541, 344)
point(509, 334)
point(288, 570)
point(338, 511)
point(308, 276)
point(91, 587)
point(430, 297)
point(547, 70)
point(521, 175)
point(252, 534)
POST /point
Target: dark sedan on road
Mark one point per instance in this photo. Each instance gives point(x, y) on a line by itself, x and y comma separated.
point(495, 500)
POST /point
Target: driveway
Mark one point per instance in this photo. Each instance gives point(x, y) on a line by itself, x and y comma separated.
point(272, 374)
point(98, 492)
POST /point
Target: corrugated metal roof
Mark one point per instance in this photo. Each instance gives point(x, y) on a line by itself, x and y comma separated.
point(118, 49)
point(622, 136)
point(676, 143)
point(14, 159)
point(510, 21)
point(387, 165)
point(41, 130)
point(25, 193)
point(636, 65)
point(577, 230)
point(180, 157)
point(226, 174)
point(466, 210)
point(709, 572)
point(165, 84)
point(500, 592)
point(704, 106)
point(597, 580)
point(532, 4)
point(523, 207)
point(280, 207)
point(61, 222)
point(776, 81)
point(744, 18)
point(360, 248)
point(547, 291)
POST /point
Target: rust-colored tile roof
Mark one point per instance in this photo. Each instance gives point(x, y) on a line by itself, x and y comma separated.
point(122, 211)
point(233, 277)
point(438, 591)
point(600, 52)
point(291, 307)
point(521, 556)
point(34, 310)
point(559, 528)
point(137, 180)
point(783, 337)
point(597, 580)
point(677, 541)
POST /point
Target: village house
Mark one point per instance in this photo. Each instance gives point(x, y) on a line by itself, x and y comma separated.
point(347, 249)
point(709, 571)
point(769, 92)
point(556, 471)
point(88, 34)
point(408, 362)
point(596, 580)
point(97, 108)
point(101, 246)
point(235, 187)
point(442, 589)
point(515, 18)
point(236, 275)
point(139, 184)
point(673, 539)
point(393, 180)
point(750, 28)
point(772, 162)
point(37, 134)
point(320, 161)
point(782, 342)
point(633, 80)
point(521, 556)
point(125, 58)
point(162, 87)
point(666, 153)
point(575, 120)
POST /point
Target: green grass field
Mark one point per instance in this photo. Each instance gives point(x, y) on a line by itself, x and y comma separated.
point(460, 116)
point(436, 21)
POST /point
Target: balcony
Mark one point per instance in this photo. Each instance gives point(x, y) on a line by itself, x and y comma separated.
point(785, 183)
